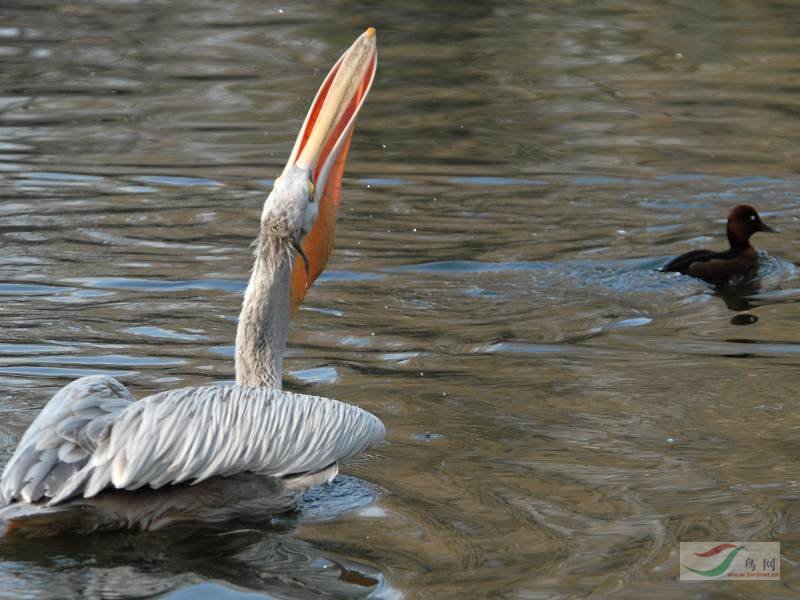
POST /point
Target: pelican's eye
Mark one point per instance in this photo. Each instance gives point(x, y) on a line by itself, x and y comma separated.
point(310, 191)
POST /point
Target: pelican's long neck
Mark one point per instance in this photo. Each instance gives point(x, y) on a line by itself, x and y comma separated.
point(264, 321)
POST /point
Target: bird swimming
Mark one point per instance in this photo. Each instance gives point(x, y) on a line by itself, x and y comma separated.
point(96, 459)
point(740, 260)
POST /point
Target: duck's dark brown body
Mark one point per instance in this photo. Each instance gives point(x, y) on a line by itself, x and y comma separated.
point(716, 267)
point(739, 261)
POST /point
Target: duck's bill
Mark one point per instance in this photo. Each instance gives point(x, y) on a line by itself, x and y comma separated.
point(764, 227)
point(322, 146)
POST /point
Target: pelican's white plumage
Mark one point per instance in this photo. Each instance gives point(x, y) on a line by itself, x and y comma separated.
point(92, 436)
point(195, 450)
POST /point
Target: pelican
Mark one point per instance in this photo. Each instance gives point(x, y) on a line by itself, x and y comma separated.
point(96, 459)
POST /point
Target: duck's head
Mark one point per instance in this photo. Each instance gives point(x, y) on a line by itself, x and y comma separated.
point(743, 222)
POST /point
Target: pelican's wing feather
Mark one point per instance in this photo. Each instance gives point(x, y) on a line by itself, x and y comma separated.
point(194, 433)
point(58, 444)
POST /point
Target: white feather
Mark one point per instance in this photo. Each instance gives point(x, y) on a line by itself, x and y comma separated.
point(190, 434)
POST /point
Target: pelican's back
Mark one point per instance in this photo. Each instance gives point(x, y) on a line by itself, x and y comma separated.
point(93, 437)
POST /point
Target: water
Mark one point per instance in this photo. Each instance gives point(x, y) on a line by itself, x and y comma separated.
point(559, 414)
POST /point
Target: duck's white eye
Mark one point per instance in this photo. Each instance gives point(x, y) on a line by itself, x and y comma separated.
point(752, 217)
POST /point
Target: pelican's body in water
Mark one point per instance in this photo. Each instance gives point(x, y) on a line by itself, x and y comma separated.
point(96, 459)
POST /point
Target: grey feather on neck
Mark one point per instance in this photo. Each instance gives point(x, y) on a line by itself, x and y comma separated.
point(264, 320)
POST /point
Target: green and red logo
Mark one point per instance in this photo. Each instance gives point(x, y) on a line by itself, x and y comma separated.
point(729, 550)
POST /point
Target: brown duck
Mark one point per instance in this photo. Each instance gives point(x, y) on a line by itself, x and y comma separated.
point(739, 260)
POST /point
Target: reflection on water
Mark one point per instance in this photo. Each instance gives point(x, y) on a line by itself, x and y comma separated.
point(560, 414)
point(269, 560)
point(210, 561)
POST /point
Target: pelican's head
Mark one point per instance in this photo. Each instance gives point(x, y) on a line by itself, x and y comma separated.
point(291, 208)
point(304, 200)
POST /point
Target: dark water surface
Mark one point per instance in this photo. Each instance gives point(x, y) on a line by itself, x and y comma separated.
point(559, 414)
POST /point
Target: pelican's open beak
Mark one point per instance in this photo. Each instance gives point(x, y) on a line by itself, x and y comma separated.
point(322, 146)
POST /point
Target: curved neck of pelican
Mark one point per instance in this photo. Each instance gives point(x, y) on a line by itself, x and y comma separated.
point(264, 320)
